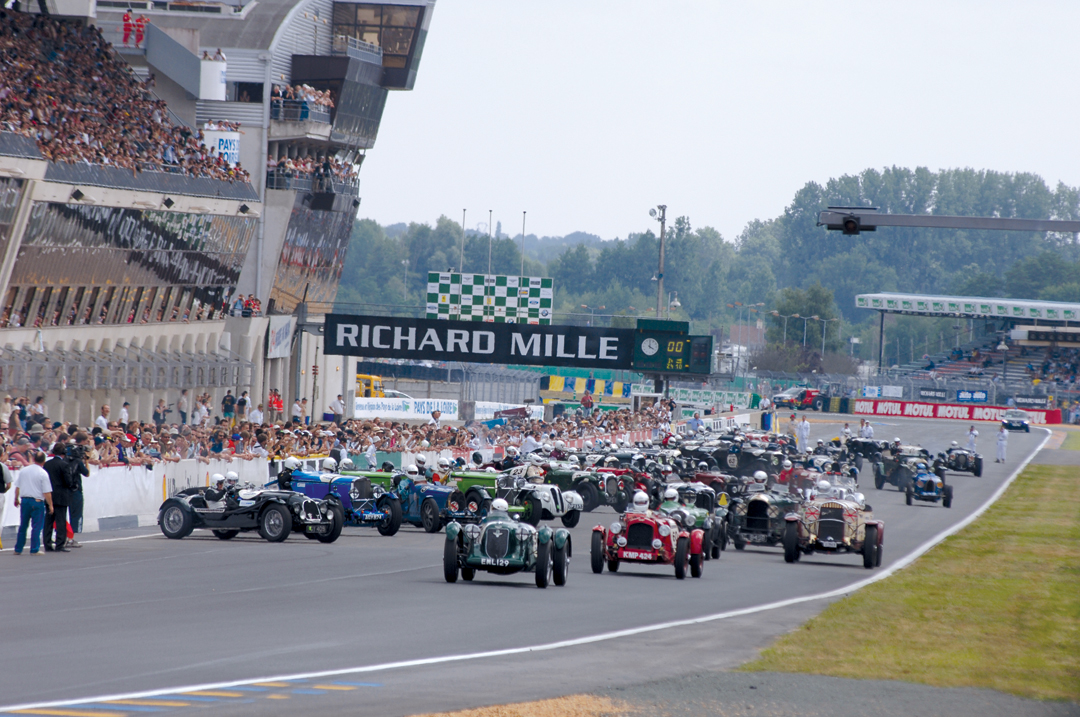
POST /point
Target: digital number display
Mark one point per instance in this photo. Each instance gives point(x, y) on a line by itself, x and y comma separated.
point(672, 353)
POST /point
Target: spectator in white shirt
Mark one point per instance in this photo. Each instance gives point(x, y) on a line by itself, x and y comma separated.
point(337, 407)
point(124, 413)
point(102, 421)
point(33, 492)
point(257, 415)
point(297, 411)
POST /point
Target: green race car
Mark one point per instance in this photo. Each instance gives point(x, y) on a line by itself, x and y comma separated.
point(696, 505)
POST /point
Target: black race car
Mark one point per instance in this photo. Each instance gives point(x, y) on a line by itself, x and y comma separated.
point(274, 513)
point(1016, 420)
point(961, 460)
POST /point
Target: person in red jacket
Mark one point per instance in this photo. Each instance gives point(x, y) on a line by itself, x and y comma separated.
point(129, 25)
point(140, 29)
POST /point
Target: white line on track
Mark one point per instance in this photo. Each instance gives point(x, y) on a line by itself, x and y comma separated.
point(103, 540)
point(421, 662)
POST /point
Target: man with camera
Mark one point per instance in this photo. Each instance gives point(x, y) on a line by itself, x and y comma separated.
point(65, 469)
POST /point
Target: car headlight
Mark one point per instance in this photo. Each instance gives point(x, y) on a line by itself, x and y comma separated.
point(522, 532)
point(621, 541)
point(664, 531)
point(616, 528)
point(688, 520)
point(472, 530)
point(657, 544)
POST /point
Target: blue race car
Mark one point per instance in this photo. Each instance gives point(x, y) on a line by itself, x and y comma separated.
point(366, 502)
point(929, 487)
point(424, 504)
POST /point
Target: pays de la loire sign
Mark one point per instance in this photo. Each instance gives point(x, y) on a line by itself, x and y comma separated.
point(438, 340)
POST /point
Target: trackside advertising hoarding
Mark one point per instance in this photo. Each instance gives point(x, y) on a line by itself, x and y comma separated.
point(917, 409)
point(434, 340)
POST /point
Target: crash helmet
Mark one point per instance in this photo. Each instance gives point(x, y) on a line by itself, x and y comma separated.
point(954, 444)
point(546, 448)
point(702, 466)
point(477, 458)
point(232, 478)
point(820, 442)
point(444, 464)
point(637, 460)
point(824, 486)
point(536, 459)
point(292, 463)
point(671, 494)
point(511, 451)
point(665, 468)
point(648, 443)
point(560, 445)
point(611, 461)
point(386, 467)
point(411, 470)
point(329, 465)
point(760, 476)
point(490, 469)
point(347, 464)
point(500, 505)
point(787, 464)
point(896, 440)
point(588, 445)
point(217, 479)
point(421, 462)
point(641, 500)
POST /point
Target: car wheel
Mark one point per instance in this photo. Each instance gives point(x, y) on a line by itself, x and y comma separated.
point(791, 543)
point(560, 564)
point(707, 542)
point(275, 523)
point(450, 561)
point(534, 511)
point(909, 496)
point(620, 501)
point(226, 534)
point(597, 553)
point(947, 500)
point(858, 462)
point(310, 536)
point(869, 547)
point(682, 548)
point(467, 574)
point(392, 522)
point(877, 559)
point(879, 476)
point(590, 496)
point(571, 518)
point(456, 502)
point(738, 541)
point(978, 467)
point(697, 564)
point(724, 531)
point(337, 515)
point(176, 521)
point(429, 516)
point(613, 565)
point(543, 564)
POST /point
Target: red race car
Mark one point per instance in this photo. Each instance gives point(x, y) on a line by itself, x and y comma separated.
point(642, 536)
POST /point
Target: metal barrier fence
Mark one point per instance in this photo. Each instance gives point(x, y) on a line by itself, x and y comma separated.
point(309, 183)
point(299, 111)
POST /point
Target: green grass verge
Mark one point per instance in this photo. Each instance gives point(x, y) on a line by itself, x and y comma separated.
point(1072, 441)
point(995, 606)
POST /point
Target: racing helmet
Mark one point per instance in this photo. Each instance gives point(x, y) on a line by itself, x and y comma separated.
point(665, 468)
point(671, 494)
point(217, 479)
point(292, 463)
point(232, 478)
point(702, 466)
point(588, 445)
point(500, 505)
point(477, 458)
point(421, 462)
point(611, 461)
point(820, 442)
point(560, 445)
point(896, 440)
point(641, 500)
point(954, 444)
point(329, 465)
point(490, 469)
point(511, 451)
point(824, 486)
point(536, 459)
point(546, 448)
point(386, 467)
point(412, 471)
point(347, 464)
point(444, 464)
point(787, 464)
point(648, 443)
point(761, 477)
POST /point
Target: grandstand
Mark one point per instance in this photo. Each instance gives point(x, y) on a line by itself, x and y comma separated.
point(175, 178)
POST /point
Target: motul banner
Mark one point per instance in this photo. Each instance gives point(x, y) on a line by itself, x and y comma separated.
point(916, 409)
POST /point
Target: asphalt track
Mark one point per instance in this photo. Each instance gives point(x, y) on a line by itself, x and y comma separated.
point(368, 626)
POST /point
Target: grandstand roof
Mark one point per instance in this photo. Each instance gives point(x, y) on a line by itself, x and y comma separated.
point(974, 307)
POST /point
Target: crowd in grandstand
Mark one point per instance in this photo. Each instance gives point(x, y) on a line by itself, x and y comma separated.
point(301, 93)
point(61, 84)
point(315, 168)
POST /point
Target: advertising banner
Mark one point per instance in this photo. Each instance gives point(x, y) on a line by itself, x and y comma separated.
point(917, 409)
point(940, 394)
point(871, 391)
point(976, 396)
point(279, 336)
point(892, 391)
point(432, 339)
point(1027, 402)
point(408, 409)
point(225, 142)
point(487, 410)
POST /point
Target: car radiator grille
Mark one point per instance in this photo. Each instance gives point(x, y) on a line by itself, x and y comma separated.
point(496, 542)
point(831, 524)
point(757, 516)
point(310, 510)
point(639, 535)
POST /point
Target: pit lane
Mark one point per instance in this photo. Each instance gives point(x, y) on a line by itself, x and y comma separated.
point(125, 617)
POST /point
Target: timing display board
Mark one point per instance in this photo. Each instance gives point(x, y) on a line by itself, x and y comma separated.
point(664, 352)
point(490, 297)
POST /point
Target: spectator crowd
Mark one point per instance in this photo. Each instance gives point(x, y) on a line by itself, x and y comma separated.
point(62, 85)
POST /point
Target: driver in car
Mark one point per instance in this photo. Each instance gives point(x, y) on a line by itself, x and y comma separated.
point(217, 490)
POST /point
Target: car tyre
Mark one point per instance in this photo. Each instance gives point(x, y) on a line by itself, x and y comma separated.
point(738, 541)
point(869, 547)
point(978, 467)
point(791, 543)
point(682, 548)
point(697, 564)
point(947, 499)
point(571, 518)
point(879, 476)
point(456, 498)
point(543, 564)
point(590, 496)
point(275, 523)
point(337, 515)
point(429, 516)
point(534, 510)
point(597, 552)
point(620, 501)
point(226, 534)
point(176, 521)
point(467, 573)
point(450, 561)
point(877, 558)
point(392, 523)
point(613, 565)
point(560, 559)
point(472, 499)
point(909, 496)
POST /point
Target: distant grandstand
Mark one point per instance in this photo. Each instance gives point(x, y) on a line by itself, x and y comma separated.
point(175, 177)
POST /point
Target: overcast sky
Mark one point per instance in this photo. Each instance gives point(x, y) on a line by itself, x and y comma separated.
point(586, 114)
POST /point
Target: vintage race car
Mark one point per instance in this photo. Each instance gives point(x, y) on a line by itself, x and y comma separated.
point(648, 537)
point(756, 514)
point(1016, 420)
point(928, 487)
point(897, 466)
point(504, 545)
point(366, 502)
point(708, 511)
point(594, 488)
point(961, 460)
point(523, 488)
point(274, 513)
point(424, 504)
point(834, 522)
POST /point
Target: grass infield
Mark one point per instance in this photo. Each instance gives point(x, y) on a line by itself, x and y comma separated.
point(1072, 441)
point(996, 605)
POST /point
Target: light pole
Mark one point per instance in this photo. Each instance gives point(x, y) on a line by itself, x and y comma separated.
point(824, 329)
point(673, 303)
point(661, 217)
point(405, 279)
point(804, 320)
point(1004, 349)
point(489, 241)
point(461, 265)
point(592, 311)
point(778, 315)
point(523, 244)
point(739, 308)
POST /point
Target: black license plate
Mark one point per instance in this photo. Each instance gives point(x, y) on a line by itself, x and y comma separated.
point(318, 528)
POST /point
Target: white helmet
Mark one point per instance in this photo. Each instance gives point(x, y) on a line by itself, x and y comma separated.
point(648, 442)
point(444, 464)
point(232, 477)
point(546, 448)
point(347, 464)
point(955, 444)
point(292, 463)
point(761, 476)
point(329, 465)
point(421, 461)
point(702, 466)
point(511, 451)
point(641, 500)
point(896, 440)
point(536, 459)
point(665, 468)
point(217, 478)
point(490, 469)
point(671, 494)
point(824, 486)
point(560, 445)
point(588, 445)
point(412, 470)
point(820, 442)
point(787, 464)
point(500, 504)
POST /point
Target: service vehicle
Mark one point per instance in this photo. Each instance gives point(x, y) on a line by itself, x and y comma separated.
point(834, 520)
point(274, 513)
point(801, 397)
point(369, 386)
point(1016, 420)
point(641, 535)
point(503, 544)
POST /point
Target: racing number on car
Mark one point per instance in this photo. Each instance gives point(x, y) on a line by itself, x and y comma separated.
point(733, 461)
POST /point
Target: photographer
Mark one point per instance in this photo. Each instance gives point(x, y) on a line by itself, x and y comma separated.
point(65, 469)
point(160, 412)
point(79, 455)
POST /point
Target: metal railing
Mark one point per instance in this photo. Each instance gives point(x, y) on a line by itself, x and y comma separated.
point(358, 49)
point(299, 111)
point(310, 183)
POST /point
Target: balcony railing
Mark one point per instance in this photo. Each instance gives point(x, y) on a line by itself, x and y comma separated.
point(311, 183)
point(345, 45)
point(299, 111)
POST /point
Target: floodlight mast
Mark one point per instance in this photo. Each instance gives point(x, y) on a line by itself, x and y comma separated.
point(855, 220)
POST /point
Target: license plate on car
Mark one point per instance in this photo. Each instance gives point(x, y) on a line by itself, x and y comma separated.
point(828, 543)
point(318, 528)
point(637, 554)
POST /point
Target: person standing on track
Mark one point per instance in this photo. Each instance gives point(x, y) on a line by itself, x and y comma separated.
point(1002, 444)
point(33, 494)
point(803, 435)
point(972, 436)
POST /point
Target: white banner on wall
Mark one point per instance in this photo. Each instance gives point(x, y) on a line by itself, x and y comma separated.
point(405, 408)
point(892, 391)
point(226, 143)
point(485, 410)
point(279, 337)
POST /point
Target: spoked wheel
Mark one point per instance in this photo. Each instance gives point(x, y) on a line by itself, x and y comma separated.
point(392, 522)
point(533, 510)
point(429, 516)
point(275, 523)
point(176, 522)
point(590, 496)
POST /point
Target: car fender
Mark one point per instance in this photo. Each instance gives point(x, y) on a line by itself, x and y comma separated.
point(184, 506)
point(561, 539)
point(880, 530)
point(543, 534)
point(697, 539)
point(791, 518)
point(453, 530)
point(572, 500)
point(596, 529)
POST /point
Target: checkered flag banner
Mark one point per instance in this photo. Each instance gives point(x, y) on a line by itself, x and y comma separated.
point(490, 297)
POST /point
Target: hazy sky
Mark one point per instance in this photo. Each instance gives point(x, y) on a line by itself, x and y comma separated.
point(586, 114)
